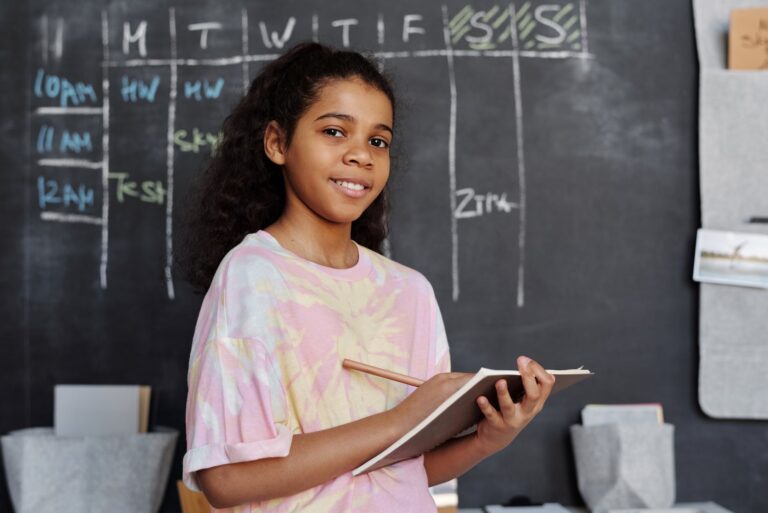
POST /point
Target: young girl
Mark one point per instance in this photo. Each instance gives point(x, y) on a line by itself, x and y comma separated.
point(286, 239)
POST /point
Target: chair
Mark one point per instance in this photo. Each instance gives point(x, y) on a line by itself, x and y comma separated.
point(192, 502)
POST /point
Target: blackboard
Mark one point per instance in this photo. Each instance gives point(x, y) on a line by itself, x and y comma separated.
point(546, 184)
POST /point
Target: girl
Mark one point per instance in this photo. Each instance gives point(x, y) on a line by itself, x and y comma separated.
point(286, 239)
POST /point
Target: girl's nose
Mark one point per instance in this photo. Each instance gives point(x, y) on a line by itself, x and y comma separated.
point(359, 155)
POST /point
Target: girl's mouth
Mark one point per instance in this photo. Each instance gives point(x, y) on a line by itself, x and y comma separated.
point(350, 189)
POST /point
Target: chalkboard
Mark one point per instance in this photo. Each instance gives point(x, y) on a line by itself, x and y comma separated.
point(546, 184)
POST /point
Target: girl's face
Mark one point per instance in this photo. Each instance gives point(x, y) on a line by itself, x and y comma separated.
point(338, 159)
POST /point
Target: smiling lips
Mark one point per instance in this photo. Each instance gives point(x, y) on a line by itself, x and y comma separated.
point(351, 187)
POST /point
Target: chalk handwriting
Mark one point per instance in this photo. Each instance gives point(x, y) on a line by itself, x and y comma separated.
point(483, 203)
point(204, 28)
point(559, 33)
point(477, 21)
point(148, 191)
point(408, 29)
point(74, 142)
point(50, 192)
point(68, 93)
point(546, 27)
point(549, 26)
point(140, 35)
point(133, 90)
point(344, 24)
point(202, 89)
point(56, 47)
point(196, 140)
point(481, 30)
point(528, 28)
point(273, 39)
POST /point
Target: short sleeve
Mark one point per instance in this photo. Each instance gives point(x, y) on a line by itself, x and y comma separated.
point(236, 407)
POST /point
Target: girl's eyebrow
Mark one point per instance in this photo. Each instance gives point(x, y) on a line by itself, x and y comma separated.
point(351, 119)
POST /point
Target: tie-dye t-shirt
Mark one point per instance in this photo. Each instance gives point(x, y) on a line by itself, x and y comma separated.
point(266, 364)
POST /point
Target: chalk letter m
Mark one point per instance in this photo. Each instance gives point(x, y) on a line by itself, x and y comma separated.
point(140, 35)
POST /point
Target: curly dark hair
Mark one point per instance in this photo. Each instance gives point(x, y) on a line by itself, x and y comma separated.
point(242, 190)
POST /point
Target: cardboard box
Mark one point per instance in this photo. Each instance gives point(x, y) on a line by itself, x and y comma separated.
point(748, 39)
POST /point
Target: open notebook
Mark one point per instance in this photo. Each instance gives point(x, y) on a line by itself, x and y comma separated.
point(459, 412)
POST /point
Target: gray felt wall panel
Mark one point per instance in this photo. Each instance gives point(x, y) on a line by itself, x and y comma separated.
point(733, 126)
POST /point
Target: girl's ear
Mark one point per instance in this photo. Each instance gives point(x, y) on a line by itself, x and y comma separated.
point(274, 143)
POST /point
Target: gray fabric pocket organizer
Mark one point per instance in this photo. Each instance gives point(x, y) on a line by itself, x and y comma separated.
point(87, 474)
point(733, 126)
point(625, 465)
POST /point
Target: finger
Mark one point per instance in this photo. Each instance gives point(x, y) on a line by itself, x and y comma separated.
point(506, 405)
point(529, 378)
point(545, 379)
point(488, 410)
point(532, 392)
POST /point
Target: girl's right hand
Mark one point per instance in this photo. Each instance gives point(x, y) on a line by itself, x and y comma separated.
point(428, 396)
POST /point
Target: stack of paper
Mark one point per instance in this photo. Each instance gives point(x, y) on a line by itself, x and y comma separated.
point(81, 410)
point(643, 413)
point(550, 507)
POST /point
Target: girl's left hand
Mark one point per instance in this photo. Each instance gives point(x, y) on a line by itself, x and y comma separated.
point(500, 427)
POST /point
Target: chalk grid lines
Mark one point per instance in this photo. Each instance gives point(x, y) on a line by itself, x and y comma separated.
point(521, 24)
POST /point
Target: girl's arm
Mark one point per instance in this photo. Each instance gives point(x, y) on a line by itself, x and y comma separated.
point(496, 430)
point(452, 459)
point(314, 458)
point(318, 457)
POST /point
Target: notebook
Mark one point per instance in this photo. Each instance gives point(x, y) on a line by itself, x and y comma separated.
point(459, 412)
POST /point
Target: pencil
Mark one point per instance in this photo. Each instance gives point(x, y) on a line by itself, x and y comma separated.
point(382, 373)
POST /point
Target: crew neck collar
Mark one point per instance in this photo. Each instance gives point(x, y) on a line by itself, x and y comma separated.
point(359, 270)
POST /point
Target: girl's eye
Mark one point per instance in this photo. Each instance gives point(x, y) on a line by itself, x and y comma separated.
point(379, 142)
point(333, 132)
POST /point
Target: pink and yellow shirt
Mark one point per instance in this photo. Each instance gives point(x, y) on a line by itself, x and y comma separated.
point(266, 360)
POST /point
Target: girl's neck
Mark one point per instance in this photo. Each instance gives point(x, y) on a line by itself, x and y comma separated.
point(325, 243)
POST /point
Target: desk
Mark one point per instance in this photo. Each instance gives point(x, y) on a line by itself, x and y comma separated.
point(480, 510)
point(684, 507)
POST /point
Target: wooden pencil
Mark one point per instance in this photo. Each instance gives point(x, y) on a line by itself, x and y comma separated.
point(382, 373)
